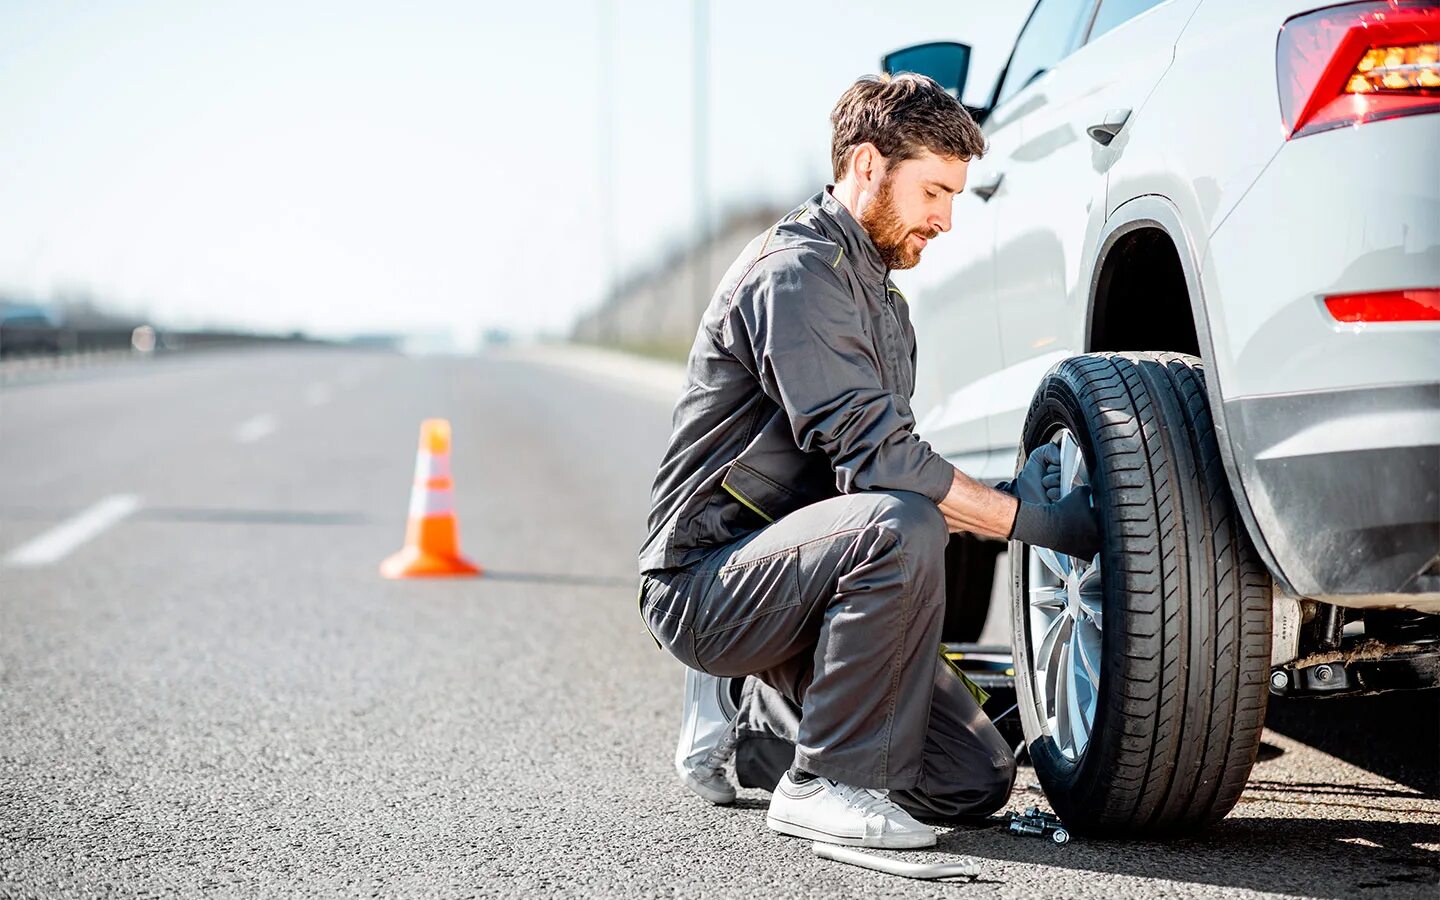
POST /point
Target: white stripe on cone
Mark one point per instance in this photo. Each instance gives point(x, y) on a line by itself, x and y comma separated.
point(431, 465)
point(427, 502)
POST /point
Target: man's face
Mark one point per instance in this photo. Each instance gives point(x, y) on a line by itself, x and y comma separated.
point(911, 205)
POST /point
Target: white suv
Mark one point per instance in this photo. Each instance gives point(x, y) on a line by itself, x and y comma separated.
point(1202, 254)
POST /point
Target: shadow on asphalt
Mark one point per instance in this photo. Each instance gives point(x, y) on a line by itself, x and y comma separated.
point(1313, 857)
point(1396, 735)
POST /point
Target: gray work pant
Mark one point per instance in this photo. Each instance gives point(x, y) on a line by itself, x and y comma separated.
point(837, 608)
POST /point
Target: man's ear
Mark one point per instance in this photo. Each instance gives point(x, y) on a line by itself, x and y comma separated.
point(868, 166)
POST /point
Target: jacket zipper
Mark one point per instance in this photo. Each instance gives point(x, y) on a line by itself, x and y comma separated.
point(894, 317)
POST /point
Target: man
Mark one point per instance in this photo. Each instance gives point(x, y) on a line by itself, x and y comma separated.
point(798, 525)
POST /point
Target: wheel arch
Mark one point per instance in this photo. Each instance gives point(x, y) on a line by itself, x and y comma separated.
point(1152, 217)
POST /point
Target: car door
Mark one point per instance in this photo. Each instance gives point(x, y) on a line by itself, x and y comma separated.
point(957, 333)
point(1092, 72)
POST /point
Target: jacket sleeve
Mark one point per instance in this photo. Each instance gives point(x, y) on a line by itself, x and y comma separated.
point(795, 325)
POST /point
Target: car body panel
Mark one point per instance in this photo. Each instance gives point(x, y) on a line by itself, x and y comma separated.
point(1354, 209)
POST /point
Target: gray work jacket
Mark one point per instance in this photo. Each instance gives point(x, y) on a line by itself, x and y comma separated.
point(797, 389)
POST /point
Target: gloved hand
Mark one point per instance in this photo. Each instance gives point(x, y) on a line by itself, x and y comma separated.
point(1039, 478)
point(1070, 526)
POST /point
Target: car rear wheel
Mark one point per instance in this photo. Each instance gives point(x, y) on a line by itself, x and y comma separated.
point(1140, 673)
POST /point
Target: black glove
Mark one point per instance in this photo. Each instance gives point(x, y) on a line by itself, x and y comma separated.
point(1069, 526)
point(1051, 481)
point(1039, 479)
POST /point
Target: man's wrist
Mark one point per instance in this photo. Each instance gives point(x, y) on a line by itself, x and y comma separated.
point(1023, 522)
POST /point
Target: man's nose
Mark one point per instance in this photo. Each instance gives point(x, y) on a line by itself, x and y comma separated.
point(941, 221)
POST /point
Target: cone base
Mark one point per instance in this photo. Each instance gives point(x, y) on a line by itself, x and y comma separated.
point(413, 562)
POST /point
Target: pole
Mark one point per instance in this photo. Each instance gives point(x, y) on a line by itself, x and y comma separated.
point(606, 148)
point(700, 140)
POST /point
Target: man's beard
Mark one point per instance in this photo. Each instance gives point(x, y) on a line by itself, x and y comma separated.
point(891, 237)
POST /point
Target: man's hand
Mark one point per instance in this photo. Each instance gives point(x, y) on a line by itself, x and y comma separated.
point(1028, 509)
point(1070, 525)
point(1039, 479)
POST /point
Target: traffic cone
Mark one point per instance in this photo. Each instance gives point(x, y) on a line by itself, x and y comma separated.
point(432, 542)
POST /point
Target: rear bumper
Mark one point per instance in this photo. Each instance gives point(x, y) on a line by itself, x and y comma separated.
point(1345, 488)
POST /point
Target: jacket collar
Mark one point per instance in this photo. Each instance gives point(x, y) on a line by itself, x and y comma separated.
point(851, 235)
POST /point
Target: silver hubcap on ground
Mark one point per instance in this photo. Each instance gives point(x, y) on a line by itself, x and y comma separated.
point(1066, 617)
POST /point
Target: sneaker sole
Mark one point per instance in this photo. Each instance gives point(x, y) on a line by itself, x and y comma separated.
point(697, 787)
point(883, 842)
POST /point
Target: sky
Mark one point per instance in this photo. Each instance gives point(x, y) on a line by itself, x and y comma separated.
point(427, 166)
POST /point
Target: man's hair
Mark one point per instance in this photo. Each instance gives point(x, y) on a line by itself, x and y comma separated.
point(901, 116)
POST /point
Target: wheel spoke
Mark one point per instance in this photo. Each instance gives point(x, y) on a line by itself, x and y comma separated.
point(1058, 565)
point(1070, 461)
point(1092, 596)
point(1063, 682)
point(1085, 653)
point(1091, 609)
point(1079, 726)
point(1047, 649)
point(1043, 597)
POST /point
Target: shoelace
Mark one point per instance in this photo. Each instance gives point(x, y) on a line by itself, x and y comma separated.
point(868, 800)
point(720, 754)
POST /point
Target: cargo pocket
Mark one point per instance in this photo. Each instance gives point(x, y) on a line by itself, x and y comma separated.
point(666, 608)
point(762, 496)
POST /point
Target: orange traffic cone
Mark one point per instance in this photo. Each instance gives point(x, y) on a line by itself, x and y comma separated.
point(432, 544)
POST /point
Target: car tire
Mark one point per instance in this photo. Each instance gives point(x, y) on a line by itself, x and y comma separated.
point(1182, 627)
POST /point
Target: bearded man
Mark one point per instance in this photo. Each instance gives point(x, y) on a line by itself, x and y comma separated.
point(799, 523)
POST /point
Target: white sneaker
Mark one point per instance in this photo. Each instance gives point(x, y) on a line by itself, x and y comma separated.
point(707, 736)
point(824, 810)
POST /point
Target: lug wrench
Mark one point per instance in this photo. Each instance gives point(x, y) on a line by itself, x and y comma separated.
point(968, 868)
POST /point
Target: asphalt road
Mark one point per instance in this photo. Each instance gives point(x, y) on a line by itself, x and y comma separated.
point(210, 690)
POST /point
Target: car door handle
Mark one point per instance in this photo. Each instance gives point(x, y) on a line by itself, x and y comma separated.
point(1104, 132)
point(987, 188)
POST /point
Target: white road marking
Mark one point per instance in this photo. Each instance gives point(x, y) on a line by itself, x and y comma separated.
point(252, 430)
point(57, 543)
point(317, 394)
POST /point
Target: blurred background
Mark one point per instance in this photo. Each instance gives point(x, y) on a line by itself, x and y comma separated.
point(434, 174)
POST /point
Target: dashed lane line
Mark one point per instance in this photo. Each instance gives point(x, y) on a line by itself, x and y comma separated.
point(57, 543)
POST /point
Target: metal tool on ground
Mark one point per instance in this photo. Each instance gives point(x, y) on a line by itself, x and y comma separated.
point(432, 540)
point(1035, 823)
point(966, 868)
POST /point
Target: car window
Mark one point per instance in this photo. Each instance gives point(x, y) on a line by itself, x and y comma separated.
point(1114, 13)
point(1048, 37)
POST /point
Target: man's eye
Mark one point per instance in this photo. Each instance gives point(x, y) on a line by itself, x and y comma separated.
point(931, 194)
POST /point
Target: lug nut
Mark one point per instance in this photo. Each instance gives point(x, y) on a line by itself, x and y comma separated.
point(1279, 680)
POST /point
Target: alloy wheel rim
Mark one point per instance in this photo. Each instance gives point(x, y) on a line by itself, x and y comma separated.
point(1065, 608)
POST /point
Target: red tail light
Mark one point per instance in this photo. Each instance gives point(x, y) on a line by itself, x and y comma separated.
point(1356, 63)
point(1411, 305)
